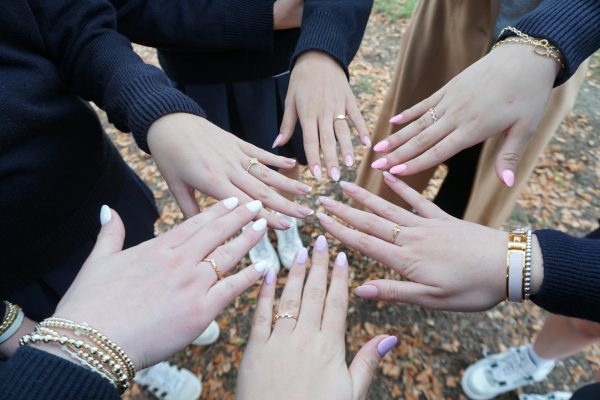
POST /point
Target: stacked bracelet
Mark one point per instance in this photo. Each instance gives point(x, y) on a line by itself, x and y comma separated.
point(527, 270)
point(540, 46)
point(13, 318)
point(518, 266)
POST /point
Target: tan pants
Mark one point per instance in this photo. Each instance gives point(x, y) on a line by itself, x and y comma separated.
point(444, 38)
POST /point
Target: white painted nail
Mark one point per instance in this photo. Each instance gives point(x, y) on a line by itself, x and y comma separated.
point(254, 206)
point(231, 203)
point(261, 266)
point(105, 214)
point(260, 225)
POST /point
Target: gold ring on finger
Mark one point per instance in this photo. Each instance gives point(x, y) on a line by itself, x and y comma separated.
point(397, 228)
point(253, 161)
point(341, 117)
point(284, 315)
point(434, 115)
point(215, 267)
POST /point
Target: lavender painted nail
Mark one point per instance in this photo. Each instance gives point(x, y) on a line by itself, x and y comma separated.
point(270, 278)
point(301, 256)
point(341, 260)
point(386, 345)
point(321, 243)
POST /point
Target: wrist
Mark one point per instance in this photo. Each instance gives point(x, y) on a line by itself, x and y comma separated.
point(8, 348)
point(537, 266)
point(522, 57)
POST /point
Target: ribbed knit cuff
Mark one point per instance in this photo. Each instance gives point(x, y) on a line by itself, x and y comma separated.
point(33, 374)
point(573, 26)
point(249, 24)
point(571, 275)
point(325, 32)
point(145, 99)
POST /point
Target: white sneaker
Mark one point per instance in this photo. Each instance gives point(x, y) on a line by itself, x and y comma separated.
point(549, 396)
point(168, 382)
point(288, 244)
point(264, 251)
point(503, 372)
point(209, 336)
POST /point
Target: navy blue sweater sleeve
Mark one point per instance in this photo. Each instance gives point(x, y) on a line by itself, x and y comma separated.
point(571, 284)
point(32, 374)
point(100, 65)
point(191, 25)
point(335, 27)
point(573, 26)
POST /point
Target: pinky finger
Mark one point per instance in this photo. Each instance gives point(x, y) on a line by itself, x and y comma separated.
point(424, 207)
point(263, 316)
point(396, 291)
point(358, 122)
point(267, 158)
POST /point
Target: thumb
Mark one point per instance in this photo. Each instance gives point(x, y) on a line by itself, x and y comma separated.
point(288, 124)
point(111, 236)
point(517, 137)
point(366, 362)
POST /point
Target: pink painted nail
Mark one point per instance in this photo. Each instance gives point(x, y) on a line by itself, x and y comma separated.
point(305, 211)
point(316, 170)
point(348, 187)
point(378, 164)
point(321, 243)
point(334, 173)
point(398, 169)
point(326, 201)
point(270, 278)
point(304, 188)
point(367, 142)
point(341, 260)
point(349, 161)
point(389, 177)
point(382, 146)
point(367, 291)
point(301, 256)
point(277, 140)
point(324, 218)
point(386, 345)
point(396, 119)
point(509, 177)
point(286, 221)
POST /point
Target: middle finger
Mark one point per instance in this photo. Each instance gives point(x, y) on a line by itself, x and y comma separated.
point(289, 304)
point(313, 296)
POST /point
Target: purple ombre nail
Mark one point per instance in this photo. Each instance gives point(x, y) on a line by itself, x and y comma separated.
point(386, 345)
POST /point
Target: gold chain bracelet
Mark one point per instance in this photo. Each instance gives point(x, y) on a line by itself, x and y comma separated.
point(540, 46)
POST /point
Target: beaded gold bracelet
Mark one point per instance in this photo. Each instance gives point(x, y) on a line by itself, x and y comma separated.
point(10, 315)
point(541, 47)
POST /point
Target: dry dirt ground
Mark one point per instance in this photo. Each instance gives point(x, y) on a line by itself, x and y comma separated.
point(435, 347)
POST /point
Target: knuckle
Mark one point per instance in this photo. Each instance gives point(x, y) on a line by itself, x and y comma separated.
point(263, 193)
point(263, 173)
point(368, 224)
point(421, 123)
point(369, 363)
point(224, 256)
point(390, 292)
point(316, 295)
point(337, 303)
point(291, 305)
point(389, 212)
point(231, 287)
point(363, 242)
point(438, 152)
point(421, 140)
point(261, 320)
point(510, 157)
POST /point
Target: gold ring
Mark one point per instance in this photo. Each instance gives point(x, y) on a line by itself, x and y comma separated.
point(433, 114)
point(215, 267)
point(285, 315)
point(341, 117)
point(397, 229)
point(252, 162)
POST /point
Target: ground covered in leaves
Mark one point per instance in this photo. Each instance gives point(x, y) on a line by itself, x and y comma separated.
point(435, 347)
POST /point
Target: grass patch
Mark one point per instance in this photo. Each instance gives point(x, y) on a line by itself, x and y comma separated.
point(395, 8)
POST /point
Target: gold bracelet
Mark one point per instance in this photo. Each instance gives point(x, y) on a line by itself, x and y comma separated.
point(540, 46)
point(10, 315)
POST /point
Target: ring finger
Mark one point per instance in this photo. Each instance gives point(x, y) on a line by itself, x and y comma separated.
point(289, 304)
point(344, 137)
point(275, 179)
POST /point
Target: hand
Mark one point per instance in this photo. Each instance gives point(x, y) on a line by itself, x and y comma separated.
point(317, 93)
point(450, 264)
point(10, 346)
point(504, 92)
point(307, 359)
point(193, 154)
point(287, 14)
point(158, 296)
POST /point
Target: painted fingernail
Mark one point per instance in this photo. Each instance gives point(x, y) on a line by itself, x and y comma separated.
point(277, 140)
point(262, 266)
point(259, 225)
point(367, 291)
point(396, 119)
point(334, 173)
point(304, 188)
point(301, 256)
point(326, 201)
point(105, 214)
point(341, 260)
point(386, 345)
point(231, 203)
point(286, 221)
point(389, 177)
point(306, 211)
point(316, 170)
point(321, 243)
point(290, 161)
point(382, 146)
point(270, 277)
point(348, 187)
point(367, 142)
point(254, 206)
point(324, 218)
point(398, 169)
point(349, 161)
point(378, 164)
point(509, 177)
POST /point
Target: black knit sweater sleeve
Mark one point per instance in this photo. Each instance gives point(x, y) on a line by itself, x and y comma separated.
point(32, 374)
point(100, 65)
point(571, 284)
point(193, 25)
point(335, 27)
point(573, 26)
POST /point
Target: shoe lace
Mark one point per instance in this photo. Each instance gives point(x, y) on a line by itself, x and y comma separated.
point(514, 365)
point(162, 379)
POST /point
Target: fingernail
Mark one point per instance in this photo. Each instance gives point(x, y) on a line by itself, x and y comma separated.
point(277, 140)
point(301, 256)
point(324, 218)
point(290, 161)
point(321, 243)
point(382, 146)
point(326, 201)
point(348, 187)
point(334, 173)
point(260, 225)
point(316, 170)
point(261, 266)
point(349, 161)
point(231, 203)
point(396, 119)
point(304, 188)
point(254, 206)
point(398, 169)
point(367, 291)
point(341, 260)
point(306, 211)
point(386, 345)
point(270, 277)
point(509, 177)
point(389, 177)
point(105, 214)
point(378, 164)
point(286, 221)
point(367, 142)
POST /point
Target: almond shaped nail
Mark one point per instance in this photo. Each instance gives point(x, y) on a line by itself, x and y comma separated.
point(349, 161)
point(398, 169)
point(321, 243)
point(334, 172)
point(324, 218)
point(316, 170)
point(382, 146)
point(105, 214)
point(259, 225)
point(378, 164)
point(254, 206)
